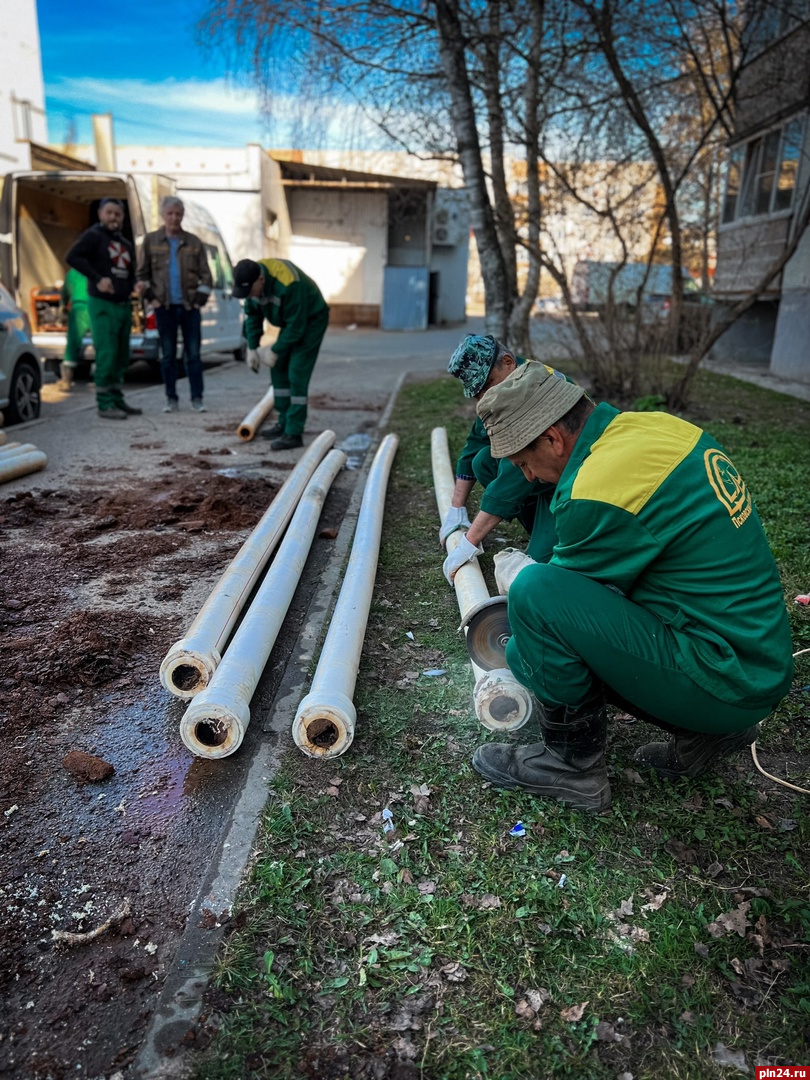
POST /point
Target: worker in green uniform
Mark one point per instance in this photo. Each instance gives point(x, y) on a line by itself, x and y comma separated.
point(662, 594)
point(74, 297)
point(107, 259)
point(277, 290)
point(479, 363)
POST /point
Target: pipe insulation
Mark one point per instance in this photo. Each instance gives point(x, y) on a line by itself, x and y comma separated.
point(215, 722)
point(190, 663)
point(325, 721)
point(501, 702)
point(17, 465)
point(256, 417)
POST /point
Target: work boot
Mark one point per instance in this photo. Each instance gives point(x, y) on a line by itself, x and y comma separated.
point(273, 432)
point(287, 442)
point(67, 377)
point(113, 414)
point(688, 753)
point(130, 410)
point(568, 765)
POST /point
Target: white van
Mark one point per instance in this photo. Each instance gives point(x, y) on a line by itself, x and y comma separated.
point(43, 213)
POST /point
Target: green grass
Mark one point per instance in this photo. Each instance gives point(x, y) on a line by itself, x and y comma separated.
point(360, 957)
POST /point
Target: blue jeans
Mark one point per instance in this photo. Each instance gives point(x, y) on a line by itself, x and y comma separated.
point(170, 317)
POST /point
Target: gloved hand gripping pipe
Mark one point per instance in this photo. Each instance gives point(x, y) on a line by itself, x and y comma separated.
point(215, 722)
point(501, 702)
point(324, 723)
point(190, 663)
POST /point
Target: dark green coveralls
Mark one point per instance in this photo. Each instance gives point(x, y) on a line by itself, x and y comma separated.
point(661, 588)
point(292, 301)
point(74, 299)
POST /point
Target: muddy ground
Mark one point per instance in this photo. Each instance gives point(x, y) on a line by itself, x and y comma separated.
point(98, 580)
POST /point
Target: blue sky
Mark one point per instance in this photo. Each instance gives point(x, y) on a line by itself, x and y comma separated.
point(142, 63)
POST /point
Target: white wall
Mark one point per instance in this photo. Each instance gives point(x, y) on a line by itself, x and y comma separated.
point(22, 91)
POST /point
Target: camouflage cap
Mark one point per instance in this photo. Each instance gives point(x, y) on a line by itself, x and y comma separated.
point(472, 362)
point(525, 405)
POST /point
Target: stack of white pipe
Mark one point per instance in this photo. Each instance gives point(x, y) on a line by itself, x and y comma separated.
point(325, 721)
point(191, 662)
point(214, 724)
point(501, 702)
point(19, 459)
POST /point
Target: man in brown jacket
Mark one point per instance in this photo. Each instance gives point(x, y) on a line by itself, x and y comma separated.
point(173, 265)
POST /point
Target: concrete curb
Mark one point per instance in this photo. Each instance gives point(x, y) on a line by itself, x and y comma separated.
point(181, 997)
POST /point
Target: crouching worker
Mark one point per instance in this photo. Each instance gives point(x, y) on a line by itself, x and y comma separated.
point(662, 594)
point(480, 363)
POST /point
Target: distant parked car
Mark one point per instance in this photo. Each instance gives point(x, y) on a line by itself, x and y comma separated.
point(20, 371)
point(549, 305)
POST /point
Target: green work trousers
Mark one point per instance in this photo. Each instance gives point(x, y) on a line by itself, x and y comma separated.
point(111, 324)
point(572, 636)
point(535, 515)
point(78, 323)
point(291, 375)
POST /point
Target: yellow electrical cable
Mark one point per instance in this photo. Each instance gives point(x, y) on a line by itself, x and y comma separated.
point(776, 780)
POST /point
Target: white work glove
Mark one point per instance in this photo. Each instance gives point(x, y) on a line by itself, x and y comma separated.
point(464, 552)
point(253, 361)
point(267, 356)
point(455, 518)
point(508, 564)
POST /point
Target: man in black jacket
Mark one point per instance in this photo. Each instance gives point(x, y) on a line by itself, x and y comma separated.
point(107, 259)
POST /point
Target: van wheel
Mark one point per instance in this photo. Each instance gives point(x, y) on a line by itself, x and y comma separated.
point(240, 354)
point(23, 392)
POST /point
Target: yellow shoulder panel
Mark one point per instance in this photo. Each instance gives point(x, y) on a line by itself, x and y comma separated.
point(633, 457)
point(278, 269)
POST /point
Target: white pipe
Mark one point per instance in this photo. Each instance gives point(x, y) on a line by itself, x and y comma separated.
point(216, 720)
point(256, 417)
point(325, 720)
point(22, 464)
point(190, 663)
point(501, 702)
point(15, 448)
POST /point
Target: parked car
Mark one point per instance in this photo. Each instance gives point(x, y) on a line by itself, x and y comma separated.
point(20, 372)
point(42, 214)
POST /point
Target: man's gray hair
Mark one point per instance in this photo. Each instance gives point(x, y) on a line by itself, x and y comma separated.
point(170, 200)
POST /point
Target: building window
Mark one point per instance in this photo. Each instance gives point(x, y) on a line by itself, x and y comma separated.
point(761, 174)
point(769, 20)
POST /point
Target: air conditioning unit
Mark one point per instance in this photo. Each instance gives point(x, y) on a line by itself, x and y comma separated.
point(445, 227)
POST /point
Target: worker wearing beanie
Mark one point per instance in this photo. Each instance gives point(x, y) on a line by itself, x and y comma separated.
point(277, 290)
point(479, 363)
point(662, 594)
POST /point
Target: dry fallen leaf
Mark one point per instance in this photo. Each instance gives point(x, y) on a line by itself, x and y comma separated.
point(524, 1010)
point(453, 972)
point(427, 888)
point(731, 922)
point(538, 998)
point(489, 900)
point(574, 1013)
point(656, 902)
point(763, 822)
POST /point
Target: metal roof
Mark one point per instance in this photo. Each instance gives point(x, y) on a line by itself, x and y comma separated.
point(302, 174)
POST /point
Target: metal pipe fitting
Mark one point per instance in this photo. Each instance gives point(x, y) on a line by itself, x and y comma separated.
point(325, 720)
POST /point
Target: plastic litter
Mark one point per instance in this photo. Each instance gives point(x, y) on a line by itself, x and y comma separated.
point(388, 821)
point(802, 598)
point(435, 671)
point(518, 830)
point(409, 634)
point(562, 881)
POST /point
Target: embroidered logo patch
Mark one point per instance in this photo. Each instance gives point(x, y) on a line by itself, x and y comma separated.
point(729, 486)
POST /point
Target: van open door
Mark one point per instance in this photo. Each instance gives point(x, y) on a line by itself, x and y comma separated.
point(6, 236)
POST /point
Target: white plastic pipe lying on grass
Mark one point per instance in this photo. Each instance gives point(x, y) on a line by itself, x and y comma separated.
point(190, 663)
point(15, 465)
point(501, 702)
point(256, 417)
point(325, 720)
point(216, 720)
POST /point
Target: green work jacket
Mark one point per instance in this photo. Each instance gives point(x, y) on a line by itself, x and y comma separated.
point(290, 300)
point(651, 505)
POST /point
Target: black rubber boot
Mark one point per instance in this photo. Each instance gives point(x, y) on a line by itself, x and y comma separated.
point(689, 753)
point(569, 765)
point(130, 410)
point(272, 432)
point(287, 442)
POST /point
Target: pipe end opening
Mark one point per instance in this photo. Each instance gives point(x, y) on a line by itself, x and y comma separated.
point(244, 433)
point(211, 732)
point(186, 677)
point(503, 707)
point(323, 733)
